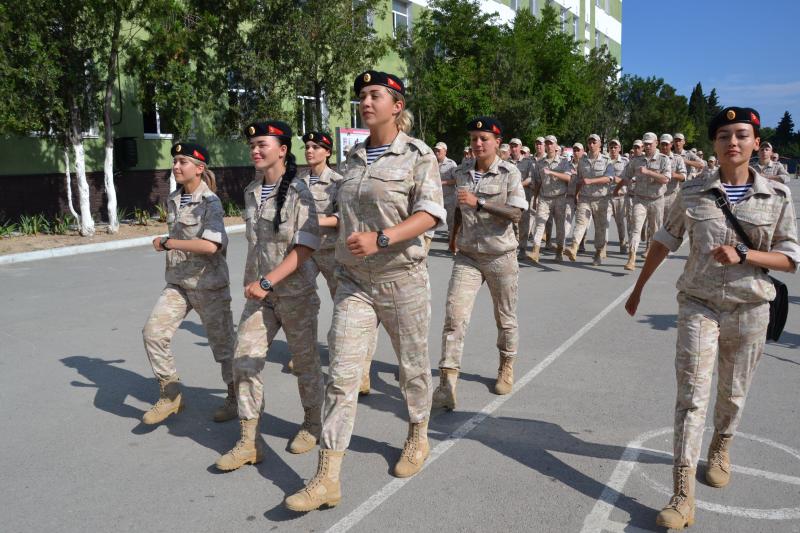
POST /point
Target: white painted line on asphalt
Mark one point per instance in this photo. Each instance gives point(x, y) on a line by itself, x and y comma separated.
point(360, 512)
point(66, 251)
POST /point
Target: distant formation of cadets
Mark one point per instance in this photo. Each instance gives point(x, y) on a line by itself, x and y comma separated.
point(368, 229)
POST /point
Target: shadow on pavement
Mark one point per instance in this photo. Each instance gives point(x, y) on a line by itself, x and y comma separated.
point(660, 322)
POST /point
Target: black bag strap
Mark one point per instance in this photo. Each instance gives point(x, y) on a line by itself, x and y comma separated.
point(722, 203)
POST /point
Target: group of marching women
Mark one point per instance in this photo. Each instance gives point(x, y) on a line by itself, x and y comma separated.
point(365, 231)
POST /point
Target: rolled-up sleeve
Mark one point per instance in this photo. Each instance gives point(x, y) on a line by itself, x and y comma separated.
point(671, 233)
point(428, 190)
point(214, 222)
point(515, 194)
point(306, 223)
point(784, 240)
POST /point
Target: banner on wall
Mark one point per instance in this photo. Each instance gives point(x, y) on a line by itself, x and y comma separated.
point(346, 138)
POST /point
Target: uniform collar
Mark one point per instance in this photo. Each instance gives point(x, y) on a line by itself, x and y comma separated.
point(492, 168)
point(760, 183)
point(197, 195)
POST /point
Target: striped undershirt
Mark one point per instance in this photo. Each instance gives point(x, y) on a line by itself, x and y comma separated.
point(265, 191)
point(313, 179)
point(185, 199)
point(375, 153)
point(477, 176)
point(736, 192)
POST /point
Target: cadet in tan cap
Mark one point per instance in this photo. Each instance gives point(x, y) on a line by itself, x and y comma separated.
point(491, 200)
point(693, 162)
point(595, 176)
point(446, 166)
point(768, 168)
point(539, 152)
point(652, 171)
point(578, 152)
point(618, 193)
point(390, 196)
point(505, 152)
point(711, 168)
point(282, 230)
point(526, 152)
point(723, 298)
point(679, 174)
point(553, 174)
point(197, 278)
point(525, 167)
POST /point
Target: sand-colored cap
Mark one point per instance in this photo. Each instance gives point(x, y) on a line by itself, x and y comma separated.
point(638, 142)
point(504, 147)
point(540, 139)
point(765, 145)
point(665, 138)
point(526, 150)
point(594, 136)
point(615, 141)
point(649, 137)
point(578, 145)
point(441, 145)
point(712, 158)
point(694, 150)
point(466, 149)
point(679, 137)
point(551, 138)
point(515, 141)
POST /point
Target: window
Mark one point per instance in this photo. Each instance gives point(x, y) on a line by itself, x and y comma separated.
point(369, 15)
point(400, 17)
point(534, 6)
point(306, 110)
point(355, 116)
point(575, 27)
point(563, 19)
point(157, 124)
point(515, 5)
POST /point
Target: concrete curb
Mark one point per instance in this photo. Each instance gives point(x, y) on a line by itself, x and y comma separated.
point(66, 251)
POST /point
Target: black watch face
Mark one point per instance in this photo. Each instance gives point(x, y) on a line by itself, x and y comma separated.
point(265, 284)
point(383, 241)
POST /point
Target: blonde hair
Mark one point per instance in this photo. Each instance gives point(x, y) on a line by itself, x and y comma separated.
point(405, 120)
point(210, 179)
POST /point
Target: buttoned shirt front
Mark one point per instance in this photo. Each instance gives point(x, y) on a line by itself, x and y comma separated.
point(773, 170)
point(589, 168)
point(549, 185)
point(324, 193)
point(678, 167)
point(646, 186)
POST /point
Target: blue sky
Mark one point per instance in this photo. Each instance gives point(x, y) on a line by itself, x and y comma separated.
point(748, 49)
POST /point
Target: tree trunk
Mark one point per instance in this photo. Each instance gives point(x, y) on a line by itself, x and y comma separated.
point(317, 106)
point(108, 164)
point(87, 222)
point(172, 183)
point(69, 186)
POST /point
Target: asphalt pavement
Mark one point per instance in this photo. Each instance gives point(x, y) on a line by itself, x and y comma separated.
point(583, 443)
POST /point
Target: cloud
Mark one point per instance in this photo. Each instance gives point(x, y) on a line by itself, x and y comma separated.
point(789, 91)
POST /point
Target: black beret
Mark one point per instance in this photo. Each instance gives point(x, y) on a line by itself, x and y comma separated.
point(490, 124)
point(734, 115)
point(274, 128)
point(192, 150)
point(374, 77)
point(319, 137)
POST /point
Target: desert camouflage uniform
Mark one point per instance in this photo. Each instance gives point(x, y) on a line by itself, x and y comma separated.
point(593, 199)
point(723, 310)
point(389, 287)
point(292, 305)
point(525, 167)
point(773, 170)
point(486, 244)
point(448, 191)
point(571, 203)
point(678, 167)
point(648, 202)
point(692, 172)
point(552, 199)
point(194, 281)
point(324, 193)
point(618, 201)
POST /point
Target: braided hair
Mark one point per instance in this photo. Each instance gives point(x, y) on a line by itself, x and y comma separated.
point(286, 180)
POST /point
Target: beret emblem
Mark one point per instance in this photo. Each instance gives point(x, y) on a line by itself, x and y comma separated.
point(731, 114)
point(251, 130)
point(479, 125)
point(367, 77)
point(178, 148)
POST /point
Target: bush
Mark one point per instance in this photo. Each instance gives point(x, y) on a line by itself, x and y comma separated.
point(33, 224)
point(162, 213)
point(141, 216)
point(7, 228)
point(62, 224)
point(231, 209)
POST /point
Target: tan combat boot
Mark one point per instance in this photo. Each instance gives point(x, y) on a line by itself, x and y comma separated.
point(718, 472)
point(559, 254)
point(603, 254)
point(505, 376)
point(571, 252)
point(323, 489)
point(534, 255)
point(248, 450)
point(170, 402)
point(308, 434)
point(679, 512)
point(365, 386)
point(229, 409)
point(445, 393)
point(415, 450)
point(631, 264)
point(598, 259)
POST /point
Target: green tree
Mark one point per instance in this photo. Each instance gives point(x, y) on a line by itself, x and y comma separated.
point(652, 105)
point(784, 133)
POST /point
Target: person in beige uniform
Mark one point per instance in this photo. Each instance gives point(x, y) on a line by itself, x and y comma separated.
point(618, 192)
point(552, 174)
point(595, 176)
point(723, 298)
point(679, 173)
point(282, 232)
point(578, 152)
point(772, 170)
point(693, 162)
point(446, 165)
point(390, 196)
point(652, 171)
point(491, 201)
point(525, 167)
point(197, 278)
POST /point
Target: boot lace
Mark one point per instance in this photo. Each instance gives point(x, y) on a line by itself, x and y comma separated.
point(410, 448)
point(505, 370)
point(321, 470)
point(681, 493)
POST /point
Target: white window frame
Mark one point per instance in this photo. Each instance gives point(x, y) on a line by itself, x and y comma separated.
point(355, 116)
point(303, 128)
point(157, 134)
point(405, 14)
point(575, 26)
point(564, 12)
point(534, 6)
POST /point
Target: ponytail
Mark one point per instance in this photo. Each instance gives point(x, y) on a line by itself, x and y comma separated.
point(209, 178)
point(286, 180)
point(405, 120)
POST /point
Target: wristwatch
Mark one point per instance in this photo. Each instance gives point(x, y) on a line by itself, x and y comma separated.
point(481, 203)
point(742, 250)
point(383, 239)
point(265, 284)
point(164, 240)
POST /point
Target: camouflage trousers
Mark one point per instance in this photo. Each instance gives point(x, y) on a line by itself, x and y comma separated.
point(620, 213)
point(669, 199)
point(323, 261)
point(649, 211)
point(214, 308)
point(403, 307)
point(569, 214)
point(450, 205)
point(733, 336)
point(501, 274)
point(526, 223)
point(596, 209)
point(547, 208)
point(261, 320)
